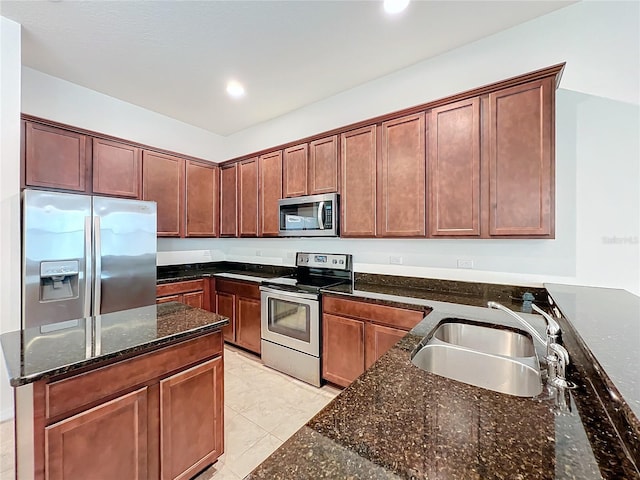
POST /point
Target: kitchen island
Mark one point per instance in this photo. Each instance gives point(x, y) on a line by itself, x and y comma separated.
point(397, 421)
point(131, 394)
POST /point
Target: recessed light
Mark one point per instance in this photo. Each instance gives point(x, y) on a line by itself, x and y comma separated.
point(395, 6)
point(235, 89)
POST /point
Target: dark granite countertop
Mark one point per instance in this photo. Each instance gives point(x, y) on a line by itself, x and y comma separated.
point(399, 422)
point(36, 353)
point(239, 271)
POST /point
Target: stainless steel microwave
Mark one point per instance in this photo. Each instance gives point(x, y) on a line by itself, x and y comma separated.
point(310, 216)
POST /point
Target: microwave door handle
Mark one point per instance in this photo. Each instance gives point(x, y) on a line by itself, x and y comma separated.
point(321, 215)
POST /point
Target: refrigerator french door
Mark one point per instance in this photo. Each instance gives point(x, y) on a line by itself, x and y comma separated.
point(85, 256)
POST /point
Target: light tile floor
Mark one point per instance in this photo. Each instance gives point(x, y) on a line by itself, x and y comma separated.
point(262, 408)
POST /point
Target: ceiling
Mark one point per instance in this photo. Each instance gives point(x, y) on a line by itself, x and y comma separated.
point(175, 57)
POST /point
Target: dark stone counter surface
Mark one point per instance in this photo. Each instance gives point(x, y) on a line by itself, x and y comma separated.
point(240, 271)
point(35, 353)
point(399, 422)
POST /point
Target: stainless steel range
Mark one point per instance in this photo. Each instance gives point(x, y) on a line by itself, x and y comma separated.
point(291, 314)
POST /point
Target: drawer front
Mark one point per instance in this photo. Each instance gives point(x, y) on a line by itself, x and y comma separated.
point(242, 289)
point(82, 390)
point(179, 287)
point(383, 314)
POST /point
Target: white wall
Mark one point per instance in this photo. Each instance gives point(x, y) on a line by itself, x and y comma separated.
point(9, 194)
point(597, 152)
point(56, 99)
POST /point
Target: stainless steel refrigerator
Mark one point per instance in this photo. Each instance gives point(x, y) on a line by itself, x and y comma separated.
point(84, 256)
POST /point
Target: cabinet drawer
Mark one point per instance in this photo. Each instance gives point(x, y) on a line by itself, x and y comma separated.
point(383, 314)
point(179, 287)
point(83, 390)
point(248, 290)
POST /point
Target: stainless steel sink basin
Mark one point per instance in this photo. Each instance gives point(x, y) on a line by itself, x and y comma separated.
point(485, 355)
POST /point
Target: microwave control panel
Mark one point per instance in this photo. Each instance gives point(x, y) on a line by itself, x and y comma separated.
point(334, 261)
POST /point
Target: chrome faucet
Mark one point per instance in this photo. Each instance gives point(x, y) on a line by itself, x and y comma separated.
point(557, 356)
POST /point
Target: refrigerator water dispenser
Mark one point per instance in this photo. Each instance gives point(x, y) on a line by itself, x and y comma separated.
point(58, 280)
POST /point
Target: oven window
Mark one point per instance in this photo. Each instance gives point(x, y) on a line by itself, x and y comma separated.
point(290, 319)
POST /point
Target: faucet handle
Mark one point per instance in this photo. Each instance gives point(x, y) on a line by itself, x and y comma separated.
point(557, 378)
point(553, 328)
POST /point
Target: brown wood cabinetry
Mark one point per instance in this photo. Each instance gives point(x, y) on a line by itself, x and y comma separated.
point(248, 198)
point(117, 169)
point(240, 301)
point(270, 176)
point(151, 415)
point(163, 182)
point(323, 165)
point(229, 200)
point(401, 211)
point(194, 293)
point(520, 148)
point(294, 161)
point(56, 158)
point(191, 409)
point(454, 169)
point(202, 188)
point(357, 333)
point(107, 441)
point(358, 199)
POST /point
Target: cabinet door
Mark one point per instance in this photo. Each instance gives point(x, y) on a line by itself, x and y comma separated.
point(117, 169)
point(323, 165)
point(194, 299)
point(295, 171)
point(170, 298)
point(191, 420)
point(402, 178)
point(378, 340)
point(248, 324)
point(358, 199)
point(454, 169)
point(521, 170)
point(202, 183)
point(163, 182)
point(248, 198)
point(342, 349)
point(229, 201)
point(108, 441)
point(270, 174)
point(55, 158)
point(226, 306)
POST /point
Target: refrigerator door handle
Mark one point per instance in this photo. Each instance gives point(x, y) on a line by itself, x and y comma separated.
point(97, 279)
point(87, 267)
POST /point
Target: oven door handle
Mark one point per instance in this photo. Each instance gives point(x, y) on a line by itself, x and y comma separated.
point(275, 291)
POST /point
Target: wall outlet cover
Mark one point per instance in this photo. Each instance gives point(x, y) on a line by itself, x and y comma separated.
point(465, 263)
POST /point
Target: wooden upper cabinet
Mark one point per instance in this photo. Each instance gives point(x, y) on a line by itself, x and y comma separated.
point(202, 185)
point(117, 168)
point(521, 167)
point(323, 166)
point(248, 198)
point(358, 198)
point(454, 169)
point(270, 176)
point(229, 200)
point(295, 171)
point(163, 182)
point(401, 212)
point(56, 158)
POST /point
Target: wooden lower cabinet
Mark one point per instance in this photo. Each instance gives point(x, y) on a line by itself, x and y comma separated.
point(356, 333)
point(191, 420)
point(240, 301)
point(108, 441)
point(194, 293)
point(342, 349)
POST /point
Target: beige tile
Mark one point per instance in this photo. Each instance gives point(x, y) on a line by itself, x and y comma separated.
point(7, 449)
point(330, 391)
point(243, 464)
point(290, 425)
point(241, 434)
point(268, 413)
point(218, 471)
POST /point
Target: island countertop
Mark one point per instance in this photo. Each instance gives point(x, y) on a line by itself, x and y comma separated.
point(41, 352)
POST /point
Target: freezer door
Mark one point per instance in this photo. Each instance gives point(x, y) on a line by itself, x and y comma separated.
point(56, 240)
point(124, 254)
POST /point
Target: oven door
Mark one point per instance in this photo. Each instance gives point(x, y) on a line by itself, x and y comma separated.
point(291, 319)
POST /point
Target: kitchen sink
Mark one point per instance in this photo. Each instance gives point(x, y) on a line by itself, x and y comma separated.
point(485, 355)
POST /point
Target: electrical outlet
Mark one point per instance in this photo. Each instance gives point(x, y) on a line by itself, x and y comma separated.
point(291, 255)
point(465, 263)
point(258, 253)
point(395, 260)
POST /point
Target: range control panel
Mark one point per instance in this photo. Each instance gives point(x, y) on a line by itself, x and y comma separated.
point(335, 261)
